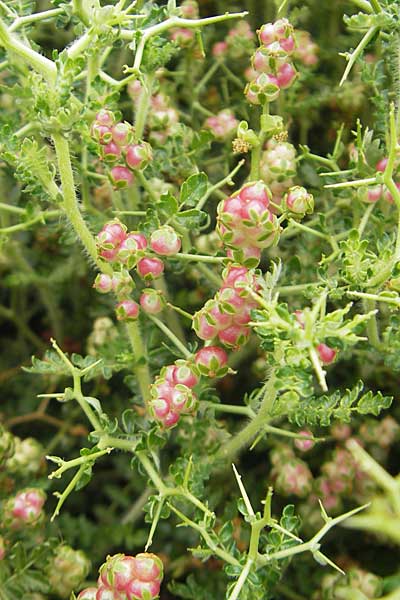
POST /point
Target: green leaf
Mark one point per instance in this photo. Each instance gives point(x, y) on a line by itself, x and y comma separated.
point(193, 189)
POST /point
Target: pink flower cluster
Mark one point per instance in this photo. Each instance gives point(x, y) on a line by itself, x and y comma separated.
point(290, 475)
point(246, 223)
point(278, 167)
point(223, 125)
point(306, 49)
point(226, 316)
point(128, 250)
point(172, 392)
point(24, 509)
point(125, 577)
point(374, 193)
point(272, 63)
point(117, 147)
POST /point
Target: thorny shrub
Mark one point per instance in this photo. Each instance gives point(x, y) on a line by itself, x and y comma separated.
point(200, 244)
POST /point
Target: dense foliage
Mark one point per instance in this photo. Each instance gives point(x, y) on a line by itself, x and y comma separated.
point(200, 285)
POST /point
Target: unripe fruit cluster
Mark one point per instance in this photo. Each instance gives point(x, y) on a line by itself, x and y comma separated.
point(128, 250)
point(66, 570)
point(223, 125)
point(24, 509)
point(246, 224)
point(125, 577)
point(271, 63)
point(172, 392)
point(278, 167)
point(118, 148)
point(226, 316)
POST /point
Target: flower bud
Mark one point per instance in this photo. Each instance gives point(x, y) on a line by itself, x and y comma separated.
point(122, 134)
point(24, 509)
point(138, 156)
point(121, 177)
point(127, 310)
point(304, 445)
point(152, 301)
point(326, 354)
point(105, 117)
point(165, 241)
point(211, 361)
point(88, 594)
point(7, 444)
point(27, 457)
point(298, 201)
point(103, 283)
point(150, 268)
point(67, 570)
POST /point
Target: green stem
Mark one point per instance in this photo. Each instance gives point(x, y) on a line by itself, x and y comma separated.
point(204, 258)
point(227, 180)
point(179, 345)
point(76, 462)
point(358, 51)
point(141, 368)
point(143, 106)
point(40, 16)
point(229, 450)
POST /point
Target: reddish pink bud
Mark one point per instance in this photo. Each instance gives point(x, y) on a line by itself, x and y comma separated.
point(211, 361)
point(165, 241)
point(234, 336)
point(24, 509)
point(287, 44)
point(121, 177)
point(219, 49)
point(122, 134)
point(148, 567)
point(304, 445)
point(382, 164)
point(111, 153)
point(204, 330)
point(184, 375)
point(127, 310)
point(286, 75)
point(150, 268)
point(105, 117)
point(299, 317)
point(138, 156)
point(113, 233)
point(103, 283)
point(143, 590)
point(255, 191)
point(267, 34)
point(170, 419)
point(326, 354)
point(151, 301)
point(101, 133)
point(299, 201)
point(183, 37)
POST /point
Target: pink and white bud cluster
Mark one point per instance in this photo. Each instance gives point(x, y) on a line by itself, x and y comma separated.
point(27, 456)
point(292, 477)
point(125, 577)
point(172, 394)
point(278, 167)
point(223, 125)
point(116, 245)
point(117, 148)
point(67, 569)
point(298, 202)
point(306, 50)
point(162, 119)
point(24, 509)
point(272, 63)
point(226, 316)
point(245, 222)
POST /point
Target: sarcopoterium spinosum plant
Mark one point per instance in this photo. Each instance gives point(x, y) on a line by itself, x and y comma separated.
point(207, 271)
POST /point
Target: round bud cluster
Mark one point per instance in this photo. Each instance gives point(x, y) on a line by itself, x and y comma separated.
point(291, 475)
point(304, 445)
point(162, 119)
point(24, 509)
point(172, 394)
point(226, 316)
point(7, 444)
point(246, 223)
point(118, 149)
point(27, 457)
point(356, 584)
point(298, 202)
point(272, 63)
point(278, 167)
point(306, 50)
point(223, 125)
point(125, 577)
point(66, 570)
